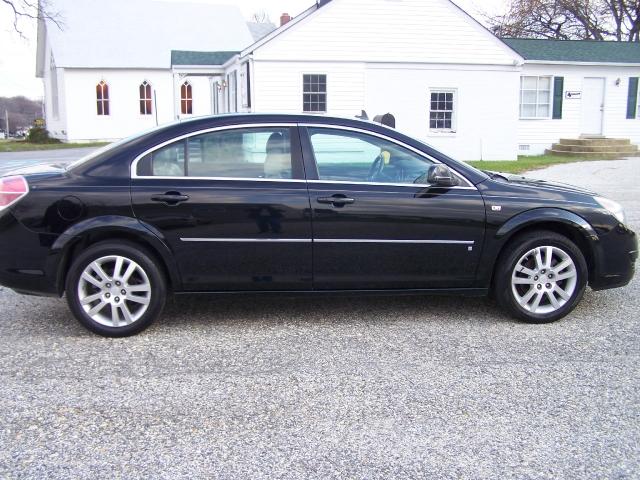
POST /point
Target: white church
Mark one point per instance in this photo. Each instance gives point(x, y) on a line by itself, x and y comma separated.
point(123, 66)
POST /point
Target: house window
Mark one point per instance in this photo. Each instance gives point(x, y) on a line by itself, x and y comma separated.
point(146, 104)
point(314, 93)
point(186, 99)
point(102, 97)
point(535, 97)
point(442, 110)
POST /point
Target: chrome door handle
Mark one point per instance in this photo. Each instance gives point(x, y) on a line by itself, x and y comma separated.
point(336, 200)
point(170, 198)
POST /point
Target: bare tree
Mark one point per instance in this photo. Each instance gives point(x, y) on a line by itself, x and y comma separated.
point(570, 19)
point(26, 10)
point(261, 16)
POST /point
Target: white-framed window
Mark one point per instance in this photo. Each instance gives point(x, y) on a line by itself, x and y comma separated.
point(314, 93)
point(535, 97)
point(146, 100)
point(186, 99)
point(102, 98)
point(442, 110)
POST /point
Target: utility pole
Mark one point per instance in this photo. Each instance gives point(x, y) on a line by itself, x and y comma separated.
point(6, 118)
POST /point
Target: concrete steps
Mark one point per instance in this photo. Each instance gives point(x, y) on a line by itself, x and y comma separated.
point(604, 148)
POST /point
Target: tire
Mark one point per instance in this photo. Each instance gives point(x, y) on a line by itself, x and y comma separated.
point(528, 289)
point(100, 304)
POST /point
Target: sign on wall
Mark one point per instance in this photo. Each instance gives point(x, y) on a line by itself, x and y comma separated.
point(573, 95)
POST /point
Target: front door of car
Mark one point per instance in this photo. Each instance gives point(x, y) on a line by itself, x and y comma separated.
point(233, 206)
point(378, 225)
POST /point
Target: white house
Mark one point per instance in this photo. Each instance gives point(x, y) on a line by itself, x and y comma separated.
point(108, 73)
point(445, 78)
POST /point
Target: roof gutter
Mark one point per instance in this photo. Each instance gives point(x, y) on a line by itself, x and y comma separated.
point(560, 62)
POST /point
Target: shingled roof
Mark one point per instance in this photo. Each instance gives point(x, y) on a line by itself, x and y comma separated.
point(187, 57)
point(591, 51)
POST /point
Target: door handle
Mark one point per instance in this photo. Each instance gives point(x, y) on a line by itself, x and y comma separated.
point(170, 198)
point(336, 200)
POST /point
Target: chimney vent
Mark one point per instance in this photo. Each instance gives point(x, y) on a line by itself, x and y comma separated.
point(285, 18)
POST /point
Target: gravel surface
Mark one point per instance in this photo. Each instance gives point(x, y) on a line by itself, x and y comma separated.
point(393, 387)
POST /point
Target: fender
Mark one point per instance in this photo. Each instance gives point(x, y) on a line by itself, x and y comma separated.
point(110, 224)
point(546, 214)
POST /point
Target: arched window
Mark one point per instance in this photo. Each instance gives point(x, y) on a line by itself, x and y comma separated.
point(186, 99)
point(102, 97)
point(146, 104)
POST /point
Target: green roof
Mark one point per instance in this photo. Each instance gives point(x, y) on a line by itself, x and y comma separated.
point(576, 50)
point(184, 57)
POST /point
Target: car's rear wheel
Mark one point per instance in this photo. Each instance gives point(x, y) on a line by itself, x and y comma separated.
point(540, 277)
point(115, 289)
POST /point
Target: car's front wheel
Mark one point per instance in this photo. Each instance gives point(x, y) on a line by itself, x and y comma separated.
point(115, 289)
point(541, 277)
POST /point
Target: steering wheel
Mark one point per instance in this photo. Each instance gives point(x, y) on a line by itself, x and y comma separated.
point(376, 168)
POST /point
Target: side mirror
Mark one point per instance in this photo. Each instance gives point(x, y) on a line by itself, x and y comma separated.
point(441, 176)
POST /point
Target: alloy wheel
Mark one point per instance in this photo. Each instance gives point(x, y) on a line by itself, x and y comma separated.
point(544, 279)
point(114, 291)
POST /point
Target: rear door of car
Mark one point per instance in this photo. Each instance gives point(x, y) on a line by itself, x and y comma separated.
point(377, 224)
point(232, 204)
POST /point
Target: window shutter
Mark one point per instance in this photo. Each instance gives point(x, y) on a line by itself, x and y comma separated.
point(632, 99)
point(558, 95)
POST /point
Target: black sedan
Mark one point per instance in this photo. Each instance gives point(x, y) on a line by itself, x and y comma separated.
point(297, 203)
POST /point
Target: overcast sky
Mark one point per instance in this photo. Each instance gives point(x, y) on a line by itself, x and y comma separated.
point(18, 56)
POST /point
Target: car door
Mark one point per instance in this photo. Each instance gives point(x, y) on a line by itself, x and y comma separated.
point(233, 206)
point(377, 224)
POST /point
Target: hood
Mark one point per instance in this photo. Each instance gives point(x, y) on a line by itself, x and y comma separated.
point(544, 184)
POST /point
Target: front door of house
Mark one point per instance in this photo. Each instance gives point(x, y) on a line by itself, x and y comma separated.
point(592, 105)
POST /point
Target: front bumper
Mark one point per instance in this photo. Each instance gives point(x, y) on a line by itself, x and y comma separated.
point(616, 259)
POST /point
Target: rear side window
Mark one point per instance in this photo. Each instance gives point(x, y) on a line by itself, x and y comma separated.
point(242, 153)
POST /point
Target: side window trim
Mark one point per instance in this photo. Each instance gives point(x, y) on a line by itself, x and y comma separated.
point(311, 166)
point(298, 169)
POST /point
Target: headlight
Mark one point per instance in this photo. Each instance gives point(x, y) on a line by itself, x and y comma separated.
point(614, 208)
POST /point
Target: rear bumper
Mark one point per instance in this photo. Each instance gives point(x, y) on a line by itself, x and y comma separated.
point(23, 258)
point(616, 259)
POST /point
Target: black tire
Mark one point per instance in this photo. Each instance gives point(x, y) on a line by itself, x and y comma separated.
point(155, 294)
point(511, 258)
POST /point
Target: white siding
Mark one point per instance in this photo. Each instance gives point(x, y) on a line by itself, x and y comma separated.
point(277, 86)
point(434, 31)
point(540, 134)
point(486, 118)
point(83, 123)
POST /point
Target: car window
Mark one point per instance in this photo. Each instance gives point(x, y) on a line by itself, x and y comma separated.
point(239, 153)
point(357, 157)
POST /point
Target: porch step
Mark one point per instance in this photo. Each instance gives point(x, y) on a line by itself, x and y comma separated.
point(596, 155)
point(565, 147)
point(597, 147)
point(595, 142)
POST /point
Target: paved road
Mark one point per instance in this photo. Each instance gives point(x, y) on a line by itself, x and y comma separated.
point(403, 387)
point(12, 160)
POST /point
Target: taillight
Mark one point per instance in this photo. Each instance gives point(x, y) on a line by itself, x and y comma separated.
point(12, 189)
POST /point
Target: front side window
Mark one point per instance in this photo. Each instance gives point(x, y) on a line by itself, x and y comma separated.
point(102, 98)
point(442, 110)
point(146, 104)
point(186, 99)
point(314, 93)
point(242, 153)
point(356, 157)
point(535, 97)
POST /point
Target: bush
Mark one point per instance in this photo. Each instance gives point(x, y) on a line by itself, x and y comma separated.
point(40, 135)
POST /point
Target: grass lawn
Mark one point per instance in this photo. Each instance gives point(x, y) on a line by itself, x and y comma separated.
point(22, 146)
point(525, 163)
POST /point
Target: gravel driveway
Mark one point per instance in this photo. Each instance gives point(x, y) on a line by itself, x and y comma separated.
point(399, 387)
